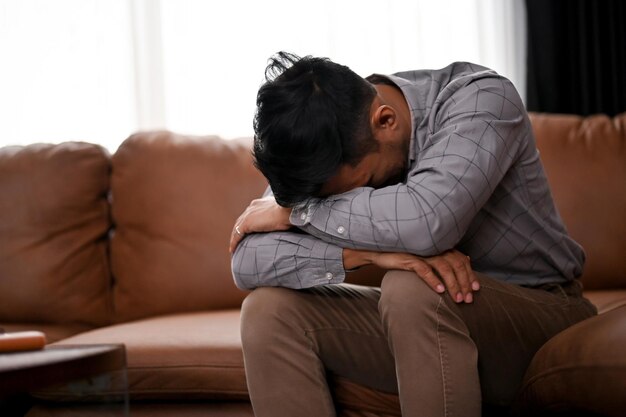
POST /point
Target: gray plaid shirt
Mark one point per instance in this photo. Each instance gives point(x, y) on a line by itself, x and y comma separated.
point(475, 183)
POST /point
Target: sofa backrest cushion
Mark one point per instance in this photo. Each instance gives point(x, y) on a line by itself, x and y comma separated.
point(175, 200)
point(54, 220)
point(585, 161)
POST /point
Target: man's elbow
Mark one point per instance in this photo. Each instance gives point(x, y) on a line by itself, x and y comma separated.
point(243, 280)
point(242, 283)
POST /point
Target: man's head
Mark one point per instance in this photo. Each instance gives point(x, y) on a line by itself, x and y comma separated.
point(315, 134)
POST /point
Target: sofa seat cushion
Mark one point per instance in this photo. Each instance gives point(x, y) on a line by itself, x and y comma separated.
point(607, 300)
point(582, 368)
point(183, 356)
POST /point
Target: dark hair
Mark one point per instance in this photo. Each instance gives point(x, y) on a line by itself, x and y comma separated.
point(312, 116)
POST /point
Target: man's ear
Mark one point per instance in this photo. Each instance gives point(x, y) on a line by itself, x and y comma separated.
point(384, 119)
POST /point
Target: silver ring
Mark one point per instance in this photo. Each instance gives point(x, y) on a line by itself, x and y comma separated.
point(238, 231)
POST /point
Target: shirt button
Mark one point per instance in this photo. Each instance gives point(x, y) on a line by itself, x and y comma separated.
point(341, 229)
point(329, 276)
point(303, 216)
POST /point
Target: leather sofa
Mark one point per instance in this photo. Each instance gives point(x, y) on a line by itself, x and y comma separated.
point(133, 248)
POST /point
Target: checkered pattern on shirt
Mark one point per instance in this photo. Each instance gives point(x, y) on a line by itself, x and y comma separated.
point(475, 183)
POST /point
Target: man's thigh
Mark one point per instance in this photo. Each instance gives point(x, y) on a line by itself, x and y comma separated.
point(342, 325)
point(509, 323)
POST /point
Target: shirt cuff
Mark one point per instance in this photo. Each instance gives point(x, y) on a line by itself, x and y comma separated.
point(332, 271)
point(301, 214)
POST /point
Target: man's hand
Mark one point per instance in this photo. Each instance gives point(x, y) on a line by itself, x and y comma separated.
point(262, 215)
point(451, 268)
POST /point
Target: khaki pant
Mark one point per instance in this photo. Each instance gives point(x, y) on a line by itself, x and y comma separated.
point(442, 358)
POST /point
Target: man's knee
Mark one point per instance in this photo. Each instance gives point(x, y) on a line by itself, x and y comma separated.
point(405, 293)
point(407, 302)
point(261, 314)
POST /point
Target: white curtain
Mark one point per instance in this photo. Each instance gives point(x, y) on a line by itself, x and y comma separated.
point(98, 70)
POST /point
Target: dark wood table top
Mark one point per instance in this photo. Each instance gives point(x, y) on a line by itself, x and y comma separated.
point(56, 364)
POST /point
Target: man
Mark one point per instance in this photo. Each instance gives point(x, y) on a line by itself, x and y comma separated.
point(431, 175)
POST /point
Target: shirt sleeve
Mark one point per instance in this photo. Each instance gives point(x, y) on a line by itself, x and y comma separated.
point(475, 131)
point(286, 259)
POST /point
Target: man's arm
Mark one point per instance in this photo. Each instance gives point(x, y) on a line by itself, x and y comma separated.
point(286, 259)
point(283, 258)
point(477, 130)
point(297, 260)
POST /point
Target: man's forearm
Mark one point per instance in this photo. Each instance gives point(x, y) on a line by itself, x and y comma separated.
point(286, 259)
point(451, 270)
point(353, 258)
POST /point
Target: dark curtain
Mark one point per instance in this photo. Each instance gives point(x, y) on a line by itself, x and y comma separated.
point(576, 59)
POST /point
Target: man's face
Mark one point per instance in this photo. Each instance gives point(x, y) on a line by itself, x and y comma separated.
point(390, 124)
point(386, 166)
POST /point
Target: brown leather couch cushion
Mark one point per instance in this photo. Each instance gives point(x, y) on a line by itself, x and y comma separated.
point(53, 226)
point(193, 356)
point(175, 200)
point(585, 161)
point(607, 300)
point(582, 368)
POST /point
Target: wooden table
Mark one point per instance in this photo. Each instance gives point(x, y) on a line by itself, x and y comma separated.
point(23, 372)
